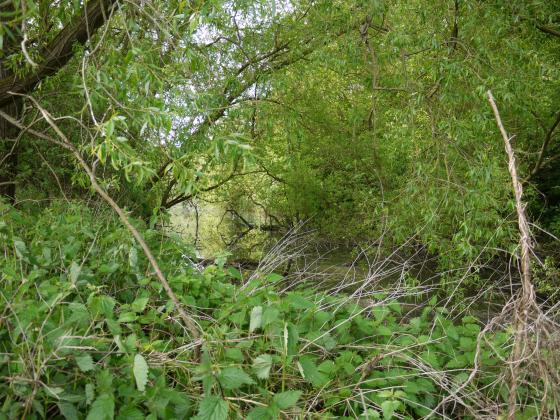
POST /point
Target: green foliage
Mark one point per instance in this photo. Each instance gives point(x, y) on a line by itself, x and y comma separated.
point(97, 345)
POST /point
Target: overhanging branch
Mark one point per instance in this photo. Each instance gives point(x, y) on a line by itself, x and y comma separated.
point(60, 50)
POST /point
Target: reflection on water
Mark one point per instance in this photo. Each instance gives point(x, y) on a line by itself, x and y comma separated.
point(214, 229)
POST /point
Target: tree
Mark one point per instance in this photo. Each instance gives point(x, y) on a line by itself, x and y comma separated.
point(30, 53)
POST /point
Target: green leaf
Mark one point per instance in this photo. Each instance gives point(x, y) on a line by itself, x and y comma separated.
point(262, 365)
point(103, 408)
point(234, 354)
point(68, 411)
point(114, 326)
point(287, 399)
point(297, 301)
point(130, 413)
point(127, 317)
point(310, 372)
point(140, 370)
point(270, 315)
point(388, 407)
point(256, 318)
point(85, 362)
point(74, 272)
point(213, 407)
point(262, 413)
point(384, 331)
point(234, 273)
point(274, 277)
point(21, 249)
point(370, 413)
point(233, 378)
point(133, 257)
point(102, 305)
point(292, 339)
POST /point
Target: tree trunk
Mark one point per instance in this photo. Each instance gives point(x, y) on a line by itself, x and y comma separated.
point(8, 132)
point(9, 148)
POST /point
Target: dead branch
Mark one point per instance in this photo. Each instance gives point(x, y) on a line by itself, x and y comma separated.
point(527, 299)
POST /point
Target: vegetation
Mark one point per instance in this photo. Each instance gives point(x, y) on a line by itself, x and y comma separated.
point(360, 128)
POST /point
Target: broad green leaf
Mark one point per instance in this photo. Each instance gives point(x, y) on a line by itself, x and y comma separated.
point(274, 277)
point(384, 331)
point(233, 378)
point(21, 249)
point(127, 317)
point(133, 257)
point(270, 315)
point(130, 413)
point(234, 354)
point(256, 318)
point(262, 413)
point(103, 408)
point(85, 362)
point(68, 411)
point(140, 369)
point(262, 365)
point(311, 373)
point(102, 305)
point(297, 301)
point(389, 407)
point(212, 407)
point(292, 339)
point(370, 414)
point(287, 399)
point(74, 272)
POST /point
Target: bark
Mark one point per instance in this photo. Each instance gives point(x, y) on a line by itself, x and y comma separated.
point(8, 133)
point(53, 57)
point(60, 49)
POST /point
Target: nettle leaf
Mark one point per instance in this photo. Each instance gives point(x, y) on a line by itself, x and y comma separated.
point(74, 272)
point(213, 407)
point(270, 315)
point(311, 373)
point(85, 362)
point(256, 318)
point(233, 378)
point(127, 317)
point(133, 257)
point(297, 301)
point(388, 407)
point(287, 399)
point(102, 305)
point(139, 304)
point(21, 249)
point(130, 413)
point(263, 413)
point(140, 370)
point(234, 354)
point(103, 408)
point(68, 411)
point(292, 339)
point(262, 365)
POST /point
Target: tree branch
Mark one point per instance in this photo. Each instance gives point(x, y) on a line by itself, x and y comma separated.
point(60, 50)
point(547, 138)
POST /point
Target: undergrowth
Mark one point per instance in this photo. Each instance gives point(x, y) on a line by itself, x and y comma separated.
point(87, 332)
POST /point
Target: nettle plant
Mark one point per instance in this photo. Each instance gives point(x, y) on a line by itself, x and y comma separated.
point(88, 333)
